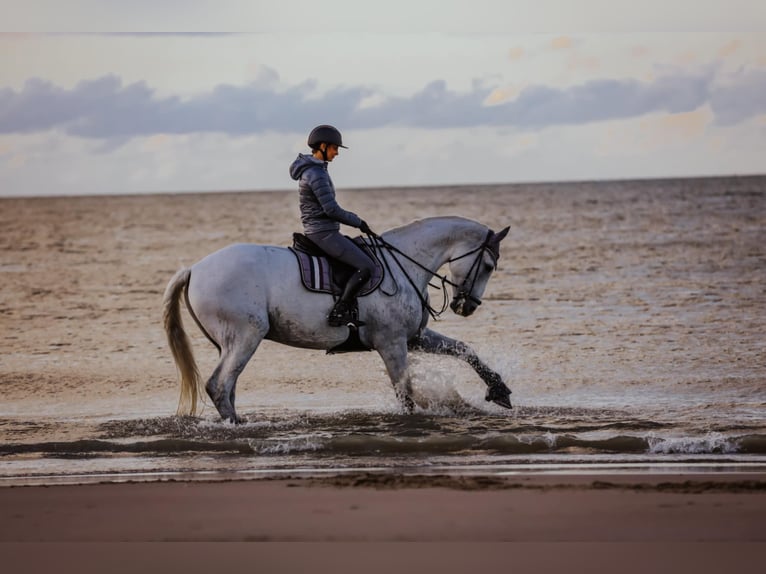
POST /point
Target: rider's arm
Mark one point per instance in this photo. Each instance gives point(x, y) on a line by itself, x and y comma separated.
point(324, 191)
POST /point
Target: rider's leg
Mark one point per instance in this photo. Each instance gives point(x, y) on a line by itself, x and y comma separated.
point(345, 250)
point(342, 313)
point(355, 284)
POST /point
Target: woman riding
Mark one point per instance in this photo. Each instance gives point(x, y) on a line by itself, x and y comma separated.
point(321, 217)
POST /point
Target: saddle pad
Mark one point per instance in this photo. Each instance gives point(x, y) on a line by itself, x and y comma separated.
point(320, 274)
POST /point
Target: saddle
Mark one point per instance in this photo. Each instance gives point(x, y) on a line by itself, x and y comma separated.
point(321, 274)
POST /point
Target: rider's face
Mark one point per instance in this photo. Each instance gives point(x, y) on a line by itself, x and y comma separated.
point(332, 151)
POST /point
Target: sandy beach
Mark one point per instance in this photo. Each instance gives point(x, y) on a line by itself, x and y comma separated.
point(689, 523)
point(385, 508)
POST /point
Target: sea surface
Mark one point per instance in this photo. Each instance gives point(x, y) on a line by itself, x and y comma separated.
point(628, 319)
point(702, 434)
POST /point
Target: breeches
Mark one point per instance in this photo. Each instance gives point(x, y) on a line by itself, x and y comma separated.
point(343, 249)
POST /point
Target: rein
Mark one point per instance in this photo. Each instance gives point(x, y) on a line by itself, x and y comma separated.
point(379, 243)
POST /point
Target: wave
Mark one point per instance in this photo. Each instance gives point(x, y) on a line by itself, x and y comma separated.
point(357, 444)
point(277, 437)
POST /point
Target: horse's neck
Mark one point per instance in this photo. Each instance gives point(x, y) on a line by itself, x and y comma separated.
point(432, 242)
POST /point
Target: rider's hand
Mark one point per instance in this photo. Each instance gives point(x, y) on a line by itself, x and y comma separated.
point(364, 228)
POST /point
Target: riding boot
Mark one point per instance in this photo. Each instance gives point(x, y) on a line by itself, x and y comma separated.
point(344, 312)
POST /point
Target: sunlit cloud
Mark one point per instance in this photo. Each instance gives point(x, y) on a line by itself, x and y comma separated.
point(652, 133)
point(687, 58)
point(584, 63)
point(729, 49)
point(156, 142)
point(686, 125)
point(372, 101)
point(515, 54)
point(501, 95)
point(561, 43)
point(639, 51)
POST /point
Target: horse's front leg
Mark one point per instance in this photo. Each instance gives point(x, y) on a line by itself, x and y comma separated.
point(394, 355)
point(432, 342)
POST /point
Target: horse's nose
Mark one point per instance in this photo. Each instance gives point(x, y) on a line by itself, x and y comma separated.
point(468, 308)
point(463, 307)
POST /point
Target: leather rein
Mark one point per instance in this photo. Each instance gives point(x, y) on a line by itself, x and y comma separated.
point(464, 292)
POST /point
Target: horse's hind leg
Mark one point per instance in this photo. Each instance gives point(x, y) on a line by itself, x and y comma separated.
point(221, 386)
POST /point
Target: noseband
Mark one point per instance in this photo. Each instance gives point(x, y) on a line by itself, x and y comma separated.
point(464, 290)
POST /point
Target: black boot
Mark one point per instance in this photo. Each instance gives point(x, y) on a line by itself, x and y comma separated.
point(344, 312)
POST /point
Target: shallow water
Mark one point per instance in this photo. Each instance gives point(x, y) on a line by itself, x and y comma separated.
point(453, 437)
point(626, 317)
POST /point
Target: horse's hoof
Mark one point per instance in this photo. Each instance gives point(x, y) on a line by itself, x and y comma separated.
point(234, 419)
point(500, 395)
point(503, 402)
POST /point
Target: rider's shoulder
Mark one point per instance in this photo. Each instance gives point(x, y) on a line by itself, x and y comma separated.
point(316, 172)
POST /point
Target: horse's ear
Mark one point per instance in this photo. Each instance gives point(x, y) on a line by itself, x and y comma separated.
point(498, 237)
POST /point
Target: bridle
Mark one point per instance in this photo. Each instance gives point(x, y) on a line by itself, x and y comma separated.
point(464, 289)
point(464, 294)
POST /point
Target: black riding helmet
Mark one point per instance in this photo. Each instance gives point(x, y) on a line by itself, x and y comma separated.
point(326, 134)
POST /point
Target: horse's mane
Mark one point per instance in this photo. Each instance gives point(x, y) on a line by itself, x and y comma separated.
point(455, 222)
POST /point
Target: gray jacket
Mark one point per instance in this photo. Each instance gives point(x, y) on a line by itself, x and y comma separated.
point(319, 209)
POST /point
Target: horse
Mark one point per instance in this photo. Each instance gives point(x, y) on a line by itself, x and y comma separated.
point(245, 293)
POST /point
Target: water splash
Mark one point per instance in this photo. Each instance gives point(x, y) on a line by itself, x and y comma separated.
point(711, 443)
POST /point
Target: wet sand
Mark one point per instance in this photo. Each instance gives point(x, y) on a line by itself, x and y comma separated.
point(379, 508)
point(679, 523)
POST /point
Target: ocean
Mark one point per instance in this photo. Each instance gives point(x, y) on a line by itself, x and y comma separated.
point(628, 319)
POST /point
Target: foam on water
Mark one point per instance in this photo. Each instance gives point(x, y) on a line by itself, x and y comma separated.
point(712, 443)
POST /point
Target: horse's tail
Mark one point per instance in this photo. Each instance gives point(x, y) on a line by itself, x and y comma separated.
point(179, 342)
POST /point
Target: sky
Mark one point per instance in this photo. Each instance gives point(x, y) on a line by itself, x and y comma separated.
point(140, 96)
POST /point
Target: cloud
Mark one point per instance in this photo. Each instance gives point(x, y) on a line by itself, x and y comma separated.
point(561, 43)
point(740, 97)
point(515, 54)
point(601, 100)
point(687, 125)
point(577, 62)
point(106, 109)
point(639, 51)
point(729, 49)
point(501, 95)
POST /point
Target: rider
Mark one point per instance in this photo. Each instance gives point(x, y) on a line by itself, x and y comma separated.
point(321, 217)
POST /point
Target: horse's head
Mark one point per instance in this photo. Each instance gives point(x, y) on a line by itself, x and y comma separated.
point(471, 271)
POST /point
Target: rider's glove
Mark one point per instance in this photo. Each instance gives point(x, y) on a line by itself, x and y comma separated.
point(364, 228)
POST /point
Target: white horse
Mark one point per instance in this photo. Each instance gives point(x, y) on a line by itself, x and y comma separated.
point(245, 293)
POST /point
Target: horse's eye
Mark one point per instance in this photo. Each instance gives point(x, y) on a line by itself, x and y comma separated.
point(489, 268)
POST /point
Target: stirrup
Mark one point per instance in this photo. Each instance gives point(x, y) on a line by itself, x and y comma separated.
point(344, 314)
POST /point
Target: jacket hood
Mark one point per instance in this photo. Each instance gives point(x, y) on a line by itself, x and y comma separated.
point(301, 163)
